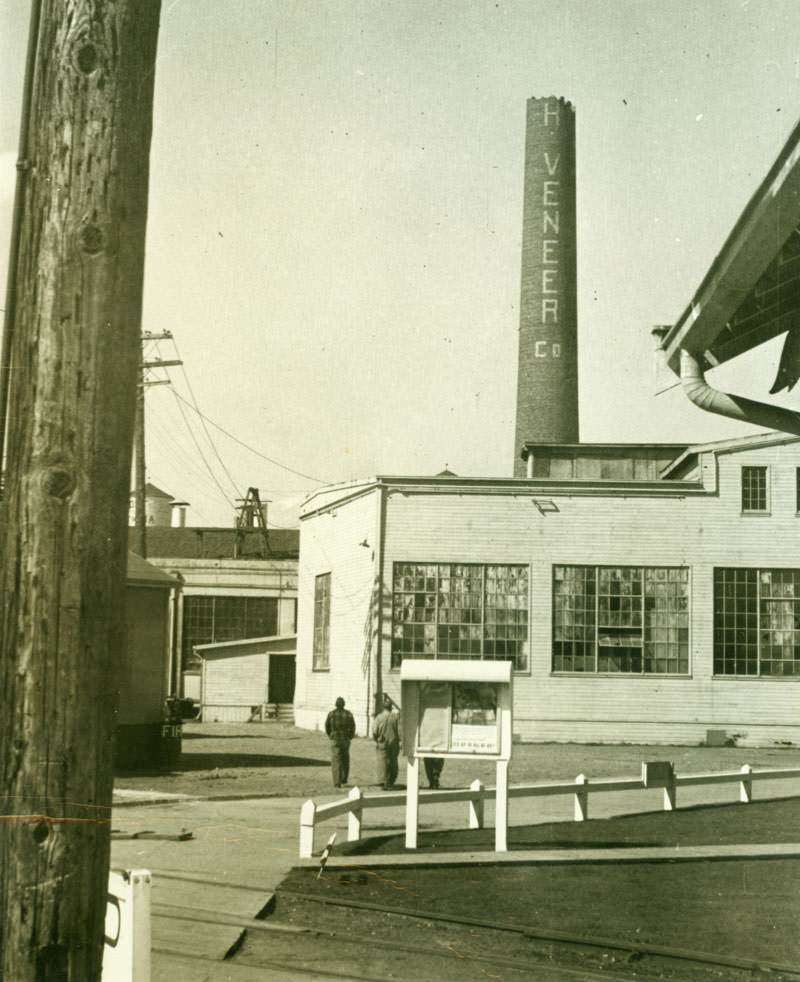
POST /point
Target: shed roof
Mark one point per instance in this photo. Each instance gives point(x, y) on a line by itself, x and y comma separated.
point(142, 573)
point(229, 649)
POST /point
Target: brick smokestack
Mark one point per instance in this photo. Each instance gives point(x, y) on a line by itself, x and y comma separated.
point(547, 373)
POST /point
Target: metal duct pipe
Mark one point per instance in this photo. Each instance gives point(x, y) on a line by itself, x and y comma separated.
point(736, 407)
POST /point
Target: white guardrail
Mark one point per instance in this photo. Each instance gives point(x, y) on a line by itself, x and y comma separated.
point(657, 774)
point(126, 955)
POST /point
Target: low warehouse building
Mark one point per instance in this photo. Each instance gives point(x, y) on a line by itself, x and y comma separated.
point(642, 593)
point(248, 679)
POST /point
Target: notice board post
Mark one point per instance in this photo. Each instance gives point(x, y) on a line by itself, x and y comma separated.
point(452, 710)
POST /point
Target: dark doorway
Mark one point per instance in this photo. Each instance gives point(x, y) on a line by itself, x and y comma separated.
point(281, 678)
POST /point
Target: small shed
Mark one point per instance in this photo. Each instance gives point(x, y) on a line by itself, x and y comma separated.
point(248, 679)
point(144, 678)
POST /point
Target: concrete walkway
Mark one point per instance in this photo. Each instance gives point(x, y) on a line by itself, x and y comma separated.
point(243, 849)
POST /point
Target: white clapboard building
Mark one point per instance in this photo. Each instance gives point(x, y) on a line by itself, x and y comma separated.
point(643, 593)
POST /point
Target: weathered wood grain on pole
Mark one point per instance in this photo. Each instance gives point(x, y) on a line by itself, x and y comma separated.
point(74, 366)
point(139, 473)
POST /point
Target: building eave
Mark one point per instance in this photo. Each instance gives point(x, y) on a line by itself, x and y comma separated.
point(516, 487)
point(766, 223)
point(735, 445)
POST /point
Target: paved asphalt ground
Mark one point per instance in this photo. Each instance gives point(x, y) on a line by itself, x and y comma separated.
point(242, 850)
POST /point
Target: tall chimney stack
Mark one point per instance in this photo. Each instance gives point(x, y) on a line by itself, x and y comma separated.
point(547, 373)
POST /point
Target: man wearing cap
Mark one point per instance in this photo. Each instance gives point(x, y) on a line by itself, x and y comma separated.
point(341, 728)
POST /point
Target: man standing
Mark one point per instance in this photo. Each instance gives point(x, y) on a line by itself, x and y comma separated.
point(386, 733)
point(341, 728)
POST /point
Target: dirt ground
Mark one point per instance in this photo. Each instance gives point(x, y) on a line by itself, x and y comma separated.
point(275, 759)
point(745, 908)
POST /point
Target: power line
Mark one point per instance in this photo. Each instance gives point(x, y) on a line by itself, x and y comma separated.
point(247, 446)
point(202, 419)
point(185, 457)
point(199, 449)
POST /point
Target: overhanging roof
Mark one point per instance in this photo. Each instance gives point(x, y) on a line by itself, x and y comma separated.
point(751, 293)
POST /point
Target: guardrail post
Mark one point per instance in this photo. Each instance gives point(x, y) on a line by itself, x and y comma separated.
point(670, 792)
point(501, 807)
point(308, 816)
point(354, 815)
point(126, 953)
point(412, 802)
point(476, 805)
point(581, 799)
point(745, 786)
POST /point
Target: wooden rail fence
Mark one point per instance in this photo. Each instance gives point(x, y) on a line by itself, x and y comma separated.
point(657, 774)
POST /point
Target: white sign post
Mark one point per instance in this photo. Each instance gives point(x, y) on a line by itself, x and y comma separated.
point(457, 709)
point(126, 955)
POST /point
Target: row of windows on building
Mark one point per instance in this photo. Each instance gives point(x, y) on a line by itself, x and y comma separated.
point(631, 620)
point(211, 619)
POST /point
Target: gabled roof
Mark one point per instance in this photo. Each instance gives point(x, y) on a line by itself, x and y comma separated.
point(736, 445)
point(192, 542)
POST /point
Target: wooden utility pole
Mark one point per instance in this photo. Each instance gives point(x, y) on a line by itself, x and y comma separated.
point(139, 468)
point(73, 352)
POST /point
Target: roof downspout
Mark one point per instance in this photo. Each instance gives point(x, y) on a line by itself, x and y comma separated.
point(377, 678)
point(712, 400)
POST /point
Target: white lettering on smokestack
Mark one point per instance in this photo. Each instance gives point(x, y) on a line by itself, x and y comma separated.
point(550, 113)
point(547, 392)
point(550, 247)
point(550, 308)
point(549, 193)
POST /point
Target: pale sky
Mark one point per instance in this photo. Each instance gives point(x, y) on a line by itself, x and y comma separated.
point(336, 209)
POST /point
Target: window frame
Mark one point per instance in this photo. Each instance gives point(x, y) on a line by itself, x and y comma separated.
point(767, 509)
point(597, 672)
point(321, 655)
point(395, 668)
point(759, 629)
point(215, 619)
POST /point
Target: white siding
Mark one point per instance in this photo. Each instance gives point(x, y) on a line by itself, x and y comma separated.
point(455, 524)
point(330, 542)
point(698, 532)
point(232, 685)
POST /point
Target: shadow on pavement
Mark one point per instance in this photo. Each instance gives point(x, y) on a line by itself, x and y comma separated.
point(210, 762)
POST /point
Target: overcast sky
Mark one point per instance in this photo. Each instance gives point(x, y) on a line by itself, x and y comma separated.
point(336, 209)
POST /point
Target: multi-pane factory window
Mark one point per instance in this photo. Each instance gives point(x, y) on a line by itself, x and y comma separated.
point(621, 619)
point(207, 620)
point(322, 622)
point(757, 622)
point(754, 489)
point(459, 610)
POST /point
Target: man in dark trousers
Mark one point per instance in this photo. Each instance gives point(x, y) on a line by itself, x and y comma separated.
point(386, 733)
point(341, 728)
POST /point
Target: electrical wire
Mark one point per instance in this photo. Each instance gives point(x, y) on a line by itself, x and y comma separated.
point(202, 420)
point(199, 449)
point(166, 439)
point(247, 446)
point(194, 438)
point(165, 436)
